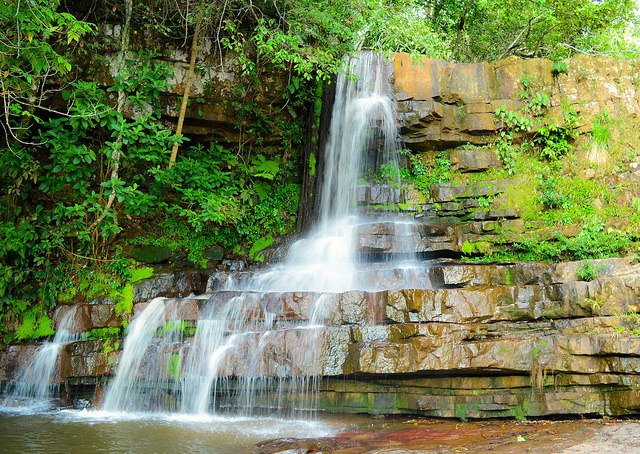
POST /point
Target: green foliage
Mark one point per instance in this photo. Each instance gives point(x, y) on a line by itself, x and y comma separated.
point(593, 242)
point(35, 325)
point(102, 333)
point(601, 131)
point(476, 248)
point(538, 103)
point(549, 194)
point(544, 28)
point(485, 202)
point(555, 140)
point(511, 124)
point(260, 245)
point(124, 300)
point(422, 175)
point(552, 139)
point(588, 272)
point(110, 345)
point(139, 274)
point(559, 67)
point(182, 327)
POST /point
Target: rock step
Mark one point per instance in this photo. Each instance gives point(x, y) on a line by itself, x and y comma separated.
point(450, 273)
point(608, 295)
point(390, 237)
point(576, 346)
point(507, 396)
point(461, 194)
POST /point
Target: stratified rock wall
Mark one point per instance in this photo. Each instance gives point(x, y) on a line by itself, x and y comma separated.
point(442, 105)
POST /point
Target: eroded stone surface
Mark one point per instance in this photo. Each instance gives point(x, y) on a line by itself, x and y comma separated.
point(442, 105)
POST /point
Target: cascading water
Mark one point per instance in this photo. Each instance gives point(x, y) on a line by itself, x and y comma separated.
point(244, 355)
point(325, 261)
point(126, 392)
point(32, 387)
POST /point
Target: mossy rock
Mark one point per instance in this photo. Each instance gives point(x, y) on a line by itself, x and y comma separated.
point(150, 254)
point(214, 253)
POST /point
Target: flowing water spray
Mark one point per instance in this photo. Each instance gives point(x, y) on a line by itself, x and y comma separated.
point(32, 386)
point(243, 358)
point(124, 393)
point(363, 129)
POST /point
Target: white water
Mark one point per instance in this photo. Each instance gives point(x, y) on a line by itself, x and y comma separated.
point(362, 123)
point(121, 393)
point(32, 387)
point(277, 368)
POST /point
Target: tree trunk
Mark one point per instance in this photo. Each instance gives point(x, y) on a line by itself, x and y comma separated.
point(463, 17)
point(187, 86)
point(122, 98)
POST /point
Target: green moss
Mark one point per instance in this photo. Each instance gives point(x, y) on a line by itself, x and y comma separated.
point(477, 247)
point(312, 164)
point(521, 411)
point(173, 367)
point(124, 300)
point(460, 411)
point(405, 206)
point(183, 327)
point(508, 277)
point(35, 324)
point(384, 207)
point(139, 274)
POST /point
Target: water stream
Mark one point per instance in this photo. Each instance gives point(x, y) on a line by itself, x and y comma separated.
point(32, 388)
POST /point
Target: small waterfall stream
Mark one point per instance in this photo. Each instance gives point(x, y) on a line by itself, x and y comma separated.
point(246, 356)
point(32, 387)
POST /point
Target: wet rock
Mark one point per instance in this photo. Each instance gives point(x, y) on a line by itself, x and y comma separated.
point(88, 316)
point(177, 284)
point(13, 358)
point(378, 194)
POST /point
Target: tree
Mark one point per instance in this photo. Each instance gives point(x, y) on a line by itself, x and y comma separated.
point(187, 84)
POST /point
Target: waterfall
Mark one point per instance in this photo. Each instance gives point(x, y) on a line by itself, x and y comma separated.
point(32, 386)
point(123, 393)
point(245, 356)
point(363, 133)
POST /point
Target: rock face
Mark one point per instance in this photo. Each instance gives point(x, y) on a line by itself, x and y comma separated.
point(505, 340)
point(460, 340)
point(443, 105)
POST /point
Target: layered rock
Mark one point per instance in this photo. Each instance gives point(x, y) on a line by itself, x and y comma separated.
point(443, 105)
point(521, 340)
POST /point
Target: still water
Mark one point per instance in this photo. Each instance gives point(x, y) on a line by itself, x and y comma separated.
point(95, 432)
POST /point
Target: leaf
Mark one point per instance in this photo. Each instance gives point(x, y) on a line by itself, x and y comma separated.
point(264, 168)
point(260, 245)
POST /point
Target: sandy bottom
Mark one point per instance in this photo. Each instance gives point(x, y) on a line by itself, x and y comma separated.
point(395, 436)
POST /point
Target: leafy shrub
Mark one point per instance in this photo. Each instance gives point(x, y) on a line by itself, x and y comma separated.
point(549, 195)
point(423, 175)
point(511, 124)
point(555, 140)
point(559, 67)
point(587, 272)
point(601, 131)
point(591, 243)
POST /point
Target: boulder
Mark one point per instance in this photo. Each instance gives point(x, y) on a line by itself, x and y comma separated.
point(473, 160)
